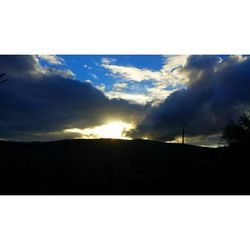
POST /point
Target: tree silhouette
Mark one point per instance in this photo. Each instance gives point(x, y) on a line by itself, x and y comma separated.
point(238, 132)
point(3, 80)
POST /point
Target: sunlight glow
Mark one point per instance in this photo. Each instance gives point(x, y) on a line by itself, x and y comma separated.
point(115, 130)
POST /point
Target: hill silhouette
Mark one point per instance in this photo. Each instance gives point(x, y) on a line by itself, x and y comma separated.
point(110, 166)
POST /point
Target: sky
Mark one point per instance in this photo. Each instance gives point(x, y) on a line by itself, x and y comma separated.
point(127, 76)
point(52, 97)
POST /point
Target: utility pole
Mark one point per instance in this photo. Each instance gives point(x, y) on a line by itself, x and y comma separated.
point(183, 136)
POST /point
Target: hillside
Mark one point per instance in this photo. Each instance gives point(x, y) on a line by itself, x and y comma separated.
point(108, 166)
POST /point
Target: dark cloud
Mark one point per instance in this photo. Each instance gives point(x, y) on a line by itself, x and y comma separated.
point(38, 103)
point(218, 89)
point(18, 65)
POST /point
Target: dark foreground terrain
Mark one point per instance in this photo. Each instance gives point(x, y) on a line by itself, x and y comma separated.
point(108, 166)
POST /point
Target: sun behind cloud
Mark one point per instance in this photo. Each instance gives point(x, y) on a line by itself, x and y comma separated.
point(114, 130)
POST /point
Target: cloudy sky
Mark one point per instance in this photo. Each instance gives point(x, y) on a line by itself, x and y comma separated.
point(49, 97)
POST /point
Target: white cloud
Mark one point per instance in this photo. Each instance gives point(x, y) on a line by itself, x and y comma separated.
point(158, 95)
point(133, 73)
point(174, 61)
point(101, 87)
point(49, 70)
point(168, 76)
point(120, 86)
point(95, 76)
point(141, 99)
point(52, 59)
point(89, 81)
point(67, 73)
point(87, 67)
point(52, 71)
point(153, 95)
point(238, 58)
point(106, 60)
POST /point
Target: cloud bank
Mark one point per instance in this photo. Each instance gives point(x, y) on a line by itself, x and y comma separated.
point(52, 59)
point(217, 88)
point(38, 103)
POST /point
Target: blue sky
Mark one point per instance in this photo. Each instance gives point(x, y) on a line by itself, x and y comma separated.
point(130, 77)
point(51, 97)
point(85, 65)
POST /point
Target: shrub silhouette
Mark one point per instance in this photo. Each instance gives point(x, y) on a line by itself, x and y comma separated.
point(238, 132)
point(2, 80)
